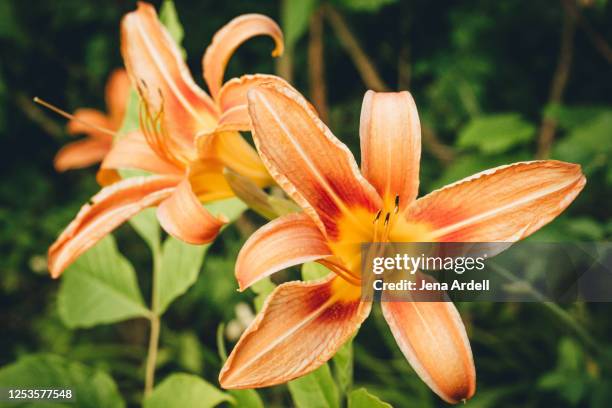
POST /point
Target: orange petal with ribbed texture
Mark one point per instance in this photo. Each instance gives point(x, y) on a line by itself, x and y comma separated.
point(390, 134)
point(230, 37)
point(433, 339)
point(82, 153)
point(117, 94)
point(108, 209)
point(155, 65)
point(133, 152)
point(84, 118)
point(307, 161)
point(300, 327)
point(504, 204)
point(183, 216)
point(286, 241)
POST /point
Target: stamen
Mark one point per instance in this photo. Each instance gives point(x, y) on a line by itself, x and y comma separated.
point(72, 117)
point(397, 201)
point(387, 219)
point(342, 272)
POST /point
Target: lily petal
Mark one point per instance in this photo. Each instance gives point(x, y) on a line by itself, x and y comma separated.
point(504, 204)
point(390, 134)
point(306, 159)
point(108, 209)
point(229, 38)
point(154, 62)
point(234, 92)
point(117, 96)
point(207, 180)
point(183, 216)
point(300, 327)
point(287, 241)
point(433, 339)
point(82, 153)
point(133, 152)
point(84, 117)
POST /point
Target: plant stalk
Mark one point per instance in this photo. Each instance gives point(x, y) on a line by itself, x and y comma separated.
point(155, 325)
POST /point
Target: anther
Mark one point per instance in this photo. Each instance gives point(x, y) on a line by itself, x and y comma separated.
point(387, 217)
point(377, 216)
point(397, 201)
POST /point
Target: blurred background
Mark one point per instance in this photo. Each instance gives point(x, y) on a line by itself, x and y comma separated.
point(495, 83)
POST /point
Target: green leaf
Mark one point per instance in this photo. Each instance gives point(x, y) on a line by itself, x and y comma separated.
point(588, 144)
point(570, 117)
point(496, 133)
point(91, 388)
point(146, 225)
point(262, 288)
point(365, 5)
point(190, 353)
point(314, 271)
point(231, 208)
point(295, 16)
point(179, 270)
point(361, 398)
point(181, 262)
point(315, 390)
point(169, 18)
point(100, 287)
point(343, 366)
point(185, 390)
point(131, 118)
point(246, 399)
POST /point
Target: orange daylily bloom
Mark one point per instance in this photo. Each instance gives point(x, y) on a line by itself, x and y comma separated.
point(93, 148)
point(186, 137)
point(302, 324)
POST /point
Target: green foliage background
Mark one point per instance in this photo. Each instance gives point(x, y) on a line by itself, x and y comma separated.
point(481, 75)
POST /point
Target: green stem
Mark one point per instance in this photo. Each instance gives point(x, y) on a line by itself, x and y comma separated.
point(155, 324)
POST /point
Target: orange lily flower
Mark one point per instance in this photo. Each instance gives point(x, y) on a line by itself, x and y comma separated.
point(302, 324)
point(186, 137)
point(93, 148)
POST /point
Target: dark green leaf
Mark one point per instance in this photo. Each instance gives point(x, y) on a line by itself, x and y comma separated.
point(92, 388)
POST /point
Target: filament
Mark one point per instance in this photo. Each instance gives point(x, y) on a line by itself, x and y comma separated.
point(72, 117)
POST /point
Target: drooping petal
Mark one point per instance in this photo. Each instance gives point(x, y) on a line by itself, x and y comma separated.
point(117, 94)
point(433, 339)
point(307, 161)
point(183, 216)
point(108, 209)
point(133, 152)
point(300, 327)
point(390, 134)
point(503, 204)
point(287, 241)
point(154, 63)
point(85, 117)
point(82, 153)
point(230, 37)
